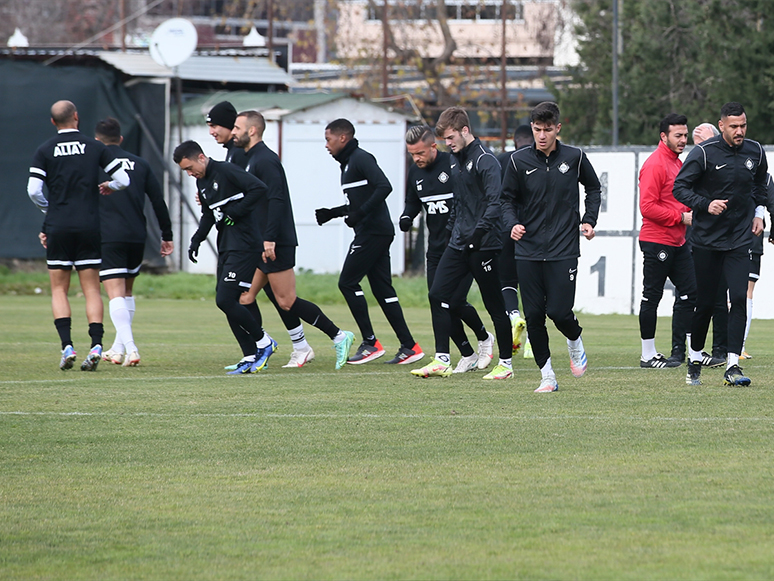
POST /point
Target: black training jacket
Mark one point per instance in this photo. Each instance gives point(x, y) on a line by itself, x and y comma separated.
point(431, 187)
point(715, 170)
point(542, 194)
point(366, 188)
point(229, 195)
point(476, 183)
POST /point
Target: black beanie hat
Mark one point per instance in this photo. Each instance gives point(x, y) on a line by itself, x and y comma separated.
point(222, 114)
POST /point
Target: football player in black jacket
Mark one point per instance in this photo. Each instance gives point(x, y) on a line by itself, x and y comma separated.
point(723, 180)
point(428, 186)
point(540, 200)
point(228, 195)
point(474, 245)
point(122, 217)
point(366, 189)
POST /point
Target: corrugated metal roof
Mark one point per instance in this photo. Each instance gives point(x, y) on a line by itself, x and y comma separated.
point(195, 110)
point(230, 69)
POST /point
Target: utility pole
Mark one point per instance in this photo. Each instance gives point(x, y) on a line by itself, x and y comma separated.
point(270, 31)
point(122, 17)
point(615, 73)
point(385, 44)
point(503, 78)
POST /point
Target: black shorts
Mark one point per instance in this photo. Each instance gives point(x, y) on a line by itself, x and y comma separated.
point(79, 249)
point(121, 260)
point(285, 260)
point(755, 267)
point(238, 269)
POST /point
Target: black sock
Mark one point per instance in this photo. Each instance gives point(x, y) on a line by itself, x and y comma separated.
point(96, 332)
point(63, 326)
point(312, 314)
point(370, 340)
point(255, 312)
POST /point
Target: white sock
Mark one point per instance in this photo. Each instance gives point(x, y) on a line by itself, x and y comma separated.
point(732, 359)
point(130, 307)
point(444, 358)
point(648, 349)
point(513, 315)
point(693, 356)
point(265, 341)
point(547, 371)
point(299, 339)
point(506, 363)
point(119, 314)
point(576, 344)
point(340, 336)
point(747, 325)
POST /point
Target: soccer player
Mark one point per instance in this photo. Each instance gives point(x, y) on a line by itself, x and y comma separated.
point(476, 225)
point(662, 241)
point(366, 188)
point(522, 137)
point(221, 120)
point(229, 196)
point(540, 203)
point(68, 164)
point(723, 180)
point(278, 229)
point(122, 218)
point(428, 185)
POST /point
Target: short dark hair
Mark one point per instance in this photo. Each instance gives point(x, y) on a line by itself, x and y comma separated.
point(108, 131)
point(452, 118)
point(545, 112)
point(341, 127)
point(187, 150)
point(672, 119)
point(523, 131)
point(419, 133)
point(255, 119)
point(731, 109)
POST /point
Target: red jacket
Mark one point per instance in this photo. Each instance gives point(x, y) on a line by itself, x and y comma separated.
point(661, 212)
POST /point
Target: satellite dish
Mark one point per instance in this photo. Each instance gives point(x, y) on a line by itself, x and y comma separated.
point(173, 41)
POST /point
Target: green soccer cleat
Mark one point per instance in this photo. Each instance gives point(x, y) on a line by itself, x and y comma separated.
point(435, 368)
point(342, 348)
point(500, 372)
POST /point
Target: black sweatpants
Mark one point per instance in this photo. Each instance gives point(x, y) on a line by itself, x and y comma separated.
point(548, 289)
point(509, 278)
point(453, 268)
point(468, 313)
point(369, 256)
point(234, 275)
point(660, 262)
point(708, 264)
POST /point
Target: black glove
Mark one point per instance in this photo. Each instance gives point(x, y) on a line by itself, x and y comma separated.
point(405, 223)
point(475, 241)
point(324, 215)
point(193, 250)
point(353, 218)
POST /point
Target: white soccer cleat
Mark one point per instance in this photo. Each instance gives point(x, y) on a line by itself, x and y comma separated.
point(485, 351)
point(548, 385)
point(131, 359)
point(300, 358)
point(578, 361)
point(469, 363)
point(112, 356)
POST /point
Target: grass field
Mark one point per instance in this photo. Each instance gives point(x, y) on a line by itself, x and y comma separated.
point(174, 471)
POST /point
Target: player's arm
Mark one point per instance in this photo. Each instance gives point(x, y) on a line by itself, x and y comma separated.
point(510, 195)
point(760, 193)
point(371, 171)
point(588, 177)
point(490, 180)
point(206, 222)
point(36, 181)
point(156, 196)
point(115, 169)
point(412, 206)
point(250, 186)
point(652, 180)
point(687, 178)
point(274, 177)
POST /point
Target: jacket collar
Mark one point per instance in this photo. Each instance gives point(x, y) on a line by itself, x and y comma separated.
point(343, 156)
point(540, 155)
point(664, 149)
point(257, 147)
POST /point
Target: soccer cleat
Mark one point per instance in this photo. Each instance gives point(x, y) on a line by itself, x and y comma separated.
point(528, 350)
point(300, 358)
point(578, 361)
point(406, 356)
point(262, 356)
point(131, 359)
point(92, 359)
point(113, 356)
point(485, 350)
point(435, 368)
point(241, 368)
point(500, 372)
point(708, 360)
point(693, 377)
point(68, 358)
point(518, 326)
point(233, 367)
point(342, 348)
point(366, 352)
point(547, 385)
point(734, 377)
point(658, 362)
point(745, 355)
point(466, 364)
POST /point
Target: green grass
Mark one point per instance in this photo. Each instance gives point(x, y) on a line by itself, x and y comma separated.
point(174, 471)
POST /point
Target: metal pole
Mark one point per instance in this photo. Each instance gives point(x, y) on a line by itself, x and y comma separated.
point(615, 73)
point(385, 16)
point(270, 31)
point(122, 16)
point(503, 80)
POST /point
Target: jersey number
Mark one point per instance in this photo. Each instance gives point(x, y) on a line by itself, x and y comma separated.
point(438, 207)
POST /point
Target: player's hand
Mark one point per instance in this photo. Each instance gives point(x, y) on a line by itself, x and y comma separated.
point(198, 201)
point(353, 218)
point(193, 251)
point(717, 207)
point(518, 231)
point(588, 231)
point(405, 223)
point(757, 226)
point(324, 215)
point(688, 218)
point(228, 220)
point(269, 251)
point(43, 239)
point(167, 247)
point(474, 243)
point(105, 189)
